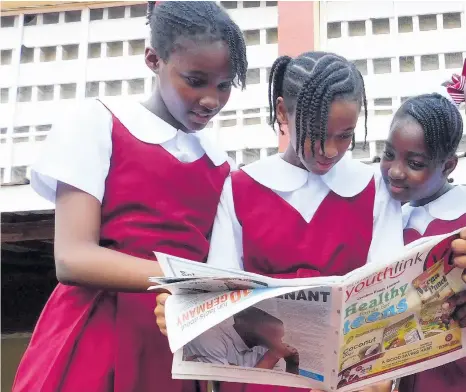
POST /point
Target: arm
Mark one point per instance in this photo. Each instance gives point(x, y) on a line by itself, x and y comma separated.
point(80, 260)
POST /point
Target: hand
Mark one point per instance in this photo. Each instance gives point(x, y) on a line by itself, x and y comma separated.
point(459, 249)
point(283, 350)
point(160, 312)
point(458, 303)
point(383, 386)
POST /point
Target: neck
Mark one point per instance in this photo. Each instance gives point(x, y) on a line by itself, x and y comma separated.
point(247, 336)
point(444, 189)
point(292, 158)
point(156, 105)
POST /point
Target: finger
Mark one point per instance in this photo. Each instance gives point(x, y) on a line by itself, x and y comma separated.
point(162, 298)
point(460, 261)
point(463, 234)
point(458, 246)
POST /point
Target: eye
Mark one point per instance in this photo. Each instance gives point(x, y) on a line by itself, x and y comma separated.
point(225, 86)
point(346, 136)
point(194, 81)
point(416, 165)
point(388, 155)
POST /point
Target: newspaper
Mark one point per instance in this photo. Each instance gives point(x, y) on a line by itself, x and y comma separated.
point(331, 333)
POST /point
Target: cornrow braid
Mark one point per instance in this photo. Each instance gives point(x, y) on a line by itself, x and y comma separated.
point(309, 84)
point(197, 20)
point(440, 120)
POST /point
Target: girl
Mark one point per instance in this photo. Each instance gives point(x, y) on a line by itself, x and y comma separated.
point(311, 211)
point(418, 158)
point(129, 179)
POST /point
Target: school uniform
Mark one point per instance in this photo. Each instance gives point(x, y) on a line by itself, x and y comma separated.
point(159, 189)
point(286, 222)
point(441, 216)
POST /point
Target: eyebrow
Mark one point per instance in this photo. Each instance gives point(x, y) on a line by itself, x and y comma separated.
point(411, 153)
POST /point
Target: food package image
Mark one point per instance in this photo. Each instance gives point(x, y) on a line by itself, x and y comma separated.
point(360, 346)
point(431, 319)
point(403, 332)
point(432, 285)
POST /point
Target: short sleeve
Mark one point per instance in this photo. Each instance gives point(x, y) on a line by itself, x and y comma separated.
point(226, 244)
point(208, 348)
point(387, 233)
point(77, 152)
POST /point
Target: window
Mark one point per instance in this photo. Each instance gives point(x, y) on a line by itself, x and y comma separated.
point(48, 53)
point(72, 16)
point(92, 89)
point(7, 21)
point(381, 26)
point(94, 50)
point(50, 18)
point(361, 152)
point(405, 24)
point(136, 86)
point(407, 64)
point(267, 74)
point(27, 55)
point(24, 94)
point(251, 111)
point(96, 14)
point(23, 129)
point(272, 151)
point(379, 148)
point(18, 173)
point(334, 30)
point(429, 62)
point(382, 66)
point(232, 155)
point(45, 93)
point(4, 95)
point(40, 138)
point(136, 47)
point(453, 60)
point(6, 56)
point(357, 28)
point(404, 99)
point(228, 113)
point(43, 128)
point(114, 49)
point(427, 22)
point(252, 37)
point(137, 11)
point(227, 123)
point(116, 12)
point(68, 91)
point(361, 65)
point(229, 5)
point(383, 103)
point(271, 36)
point(3, 131)
point(252, 121)
point(251, 4)
point(30, 20)
point(113, 88)
point(253, 76)
point(70, 52)
point(452, 21)
point(271, 3)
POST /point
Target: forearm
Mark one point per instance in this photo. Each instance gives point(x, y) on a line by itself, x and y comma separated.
point(268, 361)
point(94, 266)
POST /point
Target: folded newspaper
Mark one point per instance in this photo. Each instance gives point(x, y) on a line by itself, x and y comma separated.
point(379, 322)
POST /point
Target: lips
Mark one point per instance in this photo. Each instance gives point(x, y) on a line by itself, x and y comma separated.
point(396, 187)
point(202, 117)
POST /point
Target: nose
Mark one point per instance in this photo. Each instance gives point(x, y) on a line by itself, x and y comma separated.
point(210, 100)
point(396, 171)
point(331, 150)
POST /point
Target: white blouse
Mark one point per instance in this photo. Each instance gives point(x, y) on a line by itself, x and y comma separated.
point(78, 150)
point(305, 191)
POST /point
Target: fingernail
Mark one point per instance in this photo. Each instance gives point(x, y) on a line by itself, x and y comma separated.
point(446, 305)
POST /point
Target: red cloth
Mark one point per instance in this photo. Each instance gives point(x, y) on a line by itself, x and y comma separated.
point(94, 341)
point(452, 376)
point(278, 242)
point(457, 85)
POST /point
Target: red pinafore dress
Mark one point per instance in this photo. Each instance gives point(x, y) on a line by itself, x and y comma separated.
point(89, 340)
point(279, 243)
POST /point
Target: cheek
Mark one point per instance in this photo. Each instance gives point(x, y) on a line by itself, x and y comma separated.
point(224, 96)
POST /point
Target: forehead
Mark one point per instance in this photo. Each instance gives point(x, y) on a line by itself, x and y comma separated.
point(343, 115)
point(406, 134)
point(196, 55)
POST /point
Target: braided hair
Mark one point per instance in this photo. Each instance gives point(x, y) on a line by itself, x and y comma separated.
point(200, 20)
point(440, 120)
point(309, 84)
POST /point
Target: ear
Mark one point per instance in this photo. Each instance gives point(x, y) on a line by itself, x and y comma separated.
point(283, 117)
point(449, 165)
point(153, 60)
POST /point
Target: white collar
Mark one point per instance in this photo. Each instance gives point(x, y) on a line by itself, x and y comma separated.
point(149, 128)
point(347, 178)
point(448, 207)
point(229, 330)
